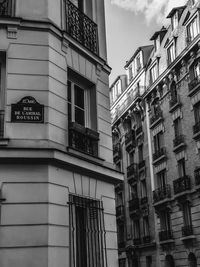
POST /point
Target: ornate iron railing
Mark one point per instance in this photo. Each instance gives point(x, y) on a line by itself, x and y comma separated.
point(162, 193)
point(194, 83)
point(178, 140)
point(182, 184)
point(83, 139)
point(187, 230)
point(196, 128)
point(197, 176)
point(81, 27)
point(5, 8)
point(141, 164)
point(158, 115)
point(159, 153)
point(165, 235)
point(2, 112)
point(132, 170)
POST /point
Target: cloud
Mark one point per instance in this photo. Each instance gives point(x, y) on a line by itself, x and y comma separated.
point(152, 9)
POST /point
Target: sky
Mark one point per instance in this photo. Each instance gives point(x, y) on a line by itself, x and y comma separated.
point(130, 24)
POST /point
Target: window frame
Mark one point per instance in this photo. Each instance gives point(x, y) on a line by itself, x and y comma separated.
point(190, 35)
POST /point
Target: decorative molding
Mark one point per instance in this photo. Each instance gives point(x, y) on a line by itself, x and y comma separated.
point(65, 46)
point(12, 32)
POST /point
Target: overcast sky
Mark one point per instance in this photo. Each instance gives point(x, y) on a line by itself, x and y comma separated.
point(130, 24)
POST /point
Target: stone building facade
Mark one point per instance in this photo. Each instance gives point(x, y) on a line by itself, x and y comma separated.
point(172, 107)
point(56, 167)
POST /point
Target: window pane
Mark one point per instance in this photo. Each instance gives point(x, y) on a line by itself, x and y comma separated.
point(79, 96)
point(79, 116)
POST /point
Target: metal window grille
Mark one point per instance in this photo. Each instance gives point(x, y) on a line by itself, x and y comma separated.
point(87, 232)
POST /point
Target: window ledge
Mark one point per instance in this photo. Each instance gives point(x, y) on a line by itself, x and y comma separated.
point(86, 156)
point(186, 238)
point(194, 90)
point(162, 202)
point(174, 107)
point(161, 158)
point(159, 120)
point(4, 141)
point(181, 146)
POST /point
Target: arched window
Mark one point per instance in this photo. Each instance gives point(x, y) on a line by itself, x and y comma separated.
point(192, 261)
point(169, 261)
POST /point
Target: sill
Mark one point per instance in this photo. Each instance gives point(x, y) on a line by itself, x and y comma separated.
point(4, 141)
point(168, 241)
point(180, 147)
point(159, 120)
point(186, 238)
point(179, 195)
point(85, 156)
point(196, 136)
point(174, 107)
point(194, 90)
point(161, 202)
point(161, 158)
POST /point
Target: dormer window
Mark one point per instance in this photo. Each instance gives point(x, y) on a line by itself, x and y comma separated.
point(171, 53)
point(174, 21)
point(192, 29)
point(130, 71)
point(153, 74)
point(138, 63)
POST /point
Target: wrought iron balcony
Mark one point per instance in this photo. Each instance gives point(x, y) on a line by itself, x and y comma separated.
point(83, 139)
point(137, 241)
point(2, 113)
point(141, 164)
point(120, 210)
point(81, 27)
point(134, 204)
point(158, 115)
point(165, 235)
point(144, 200)
point(139, 130)
point(197, 176)
point(193, 83)
point(196, 128)
point(182, 184)
point(130, 141)
point(5, 8)
point(132, 170)
point(178, 140)
point(187, 230)
point(159, 153)
point(146, 239)
point(162, 193)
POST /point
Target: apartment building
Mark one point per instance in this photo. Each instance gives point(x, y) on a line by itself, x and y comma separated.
point(172, 106)
point(56, 167)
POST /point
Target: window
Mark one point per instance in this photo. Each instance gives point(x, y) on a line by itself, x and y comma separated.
point(133, 191)
point(197, 113)
point(187, 214)
point(2, 91)
point(122, 262)
point(192, 29)
point(165, 222)
point(143, 189)
point(171, 53)
point(161, 179)
point(158, 141)
point(140, 153)
point(149, 261)
point(136, 229)
point(181, 168)
point(146, 226)
point(119, 200)
point(175, 21)
point(197, 70)
point(152, 74)
point(131, 158)
point(138, 63)
point(130, 71)
point(177, 127)
point(86, 232)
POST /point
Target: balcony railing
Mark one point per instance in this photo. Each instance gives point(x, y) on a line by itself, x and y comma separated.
point(159, 153)
point(83, 139)
point(187, 230)
point(146, 239)
point(116, 152)
point(196, 128)
point(165, 235)
point(158, 115)
point(130, 141)
point(2, 112)
point(134, 204)
point(162, 193)
point(141, 164)
point(81, 27)
point(137, 241)
point(197, 176)
point(132, 170)
point(193, 83)
point(5, 8)
point(139, 130)
point(120, 210)
point(182, 184)
point(178, 140)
